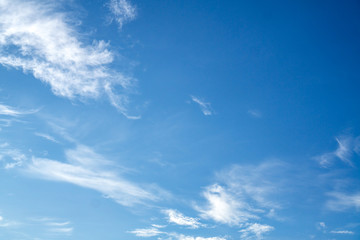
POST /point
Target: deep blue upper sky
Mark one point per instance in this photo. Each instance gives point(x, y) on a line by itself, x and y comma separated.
point(179, 120)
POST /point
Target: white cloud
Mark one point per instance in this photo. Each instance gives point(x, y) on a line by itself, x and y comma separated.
point(10, 111)
point(122, 11)
point(205, 106)
point(347, 146)
point(321, 226)
point(342, 232)
point(223, 207)
point(88, 169)
point(255, 231)
point(342, 201)
point(146, 232)
point(62, 230)
point(176, 217)
point(16, 157)
point(54, 226)
point(46, 136)
point(5, 223)
point(255, 113)
point(184, 237)
point(37, 38)
point(152, 232)
point(243, 193)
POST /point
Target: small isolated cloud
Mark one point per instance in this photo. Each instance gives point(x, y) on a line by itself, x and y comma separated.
point(243, 193)
point(343, 201)
point(146, 232)
point(88, 169)
point(122, 11)
point(11, 156)
point(185, 237)
point(347, 146)
point(39, 39)
point(224, 207)
point(343, 232)
point(321, 226)
point(204, 106)
point(176, 217)
point(255, 113)
point(255, 231)
point(62, 230)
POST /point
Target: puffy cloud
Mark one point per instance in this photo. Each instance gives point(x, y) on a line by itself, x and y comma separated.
point(176, 217)
point(122, 11)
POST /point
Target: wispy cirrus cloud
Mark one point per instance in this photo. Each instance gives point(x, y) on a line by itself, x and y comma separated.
point(122, 11)
point(186, 237)
point(11, 156)
point(243, 193)
point(343, 201)
point(153, 232)
point(255, 113)
point(39, 39)
point(13, 112)
point(54, 226)
point(46, 136)
point(88, 169)
point(146, 232)
point(204, 106)
point(174, 216)
point(347, 146)
point(6, 223)
point(255, 231)
point(342, 232)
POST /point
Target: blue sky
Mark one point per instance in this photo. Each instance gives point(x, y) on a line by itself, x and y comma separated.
point(179, 120)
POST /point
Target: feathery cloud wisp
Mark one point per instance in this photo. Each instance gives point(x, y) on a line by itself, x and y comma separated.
point(342, 201)
point(122, 11)
point(146, 232)
point(87, 169)
point(343, 232)
point(10, 111)
point(205, 106)
point(255, 231)
point(37, 38)
point(347, 146)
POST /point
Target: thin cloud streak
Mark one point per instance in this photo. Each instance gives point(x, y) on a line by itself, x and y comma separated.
point(46, 136)
point(205, 106)
point(343, 232)
point(146, 232)
point(10, 111)
point(343, 201)
point(38, 39)
point(87, 169)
